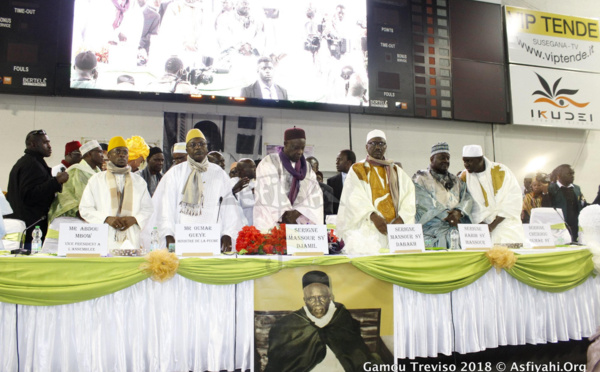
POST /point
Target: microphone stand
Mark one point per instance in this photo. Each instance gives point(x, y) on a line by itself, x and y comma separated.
point(22, 249)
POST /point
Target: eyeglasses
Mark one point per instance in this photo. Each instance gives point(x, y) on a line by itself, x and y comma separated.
point(376, 144)
point(195, 145)
point(37, 132)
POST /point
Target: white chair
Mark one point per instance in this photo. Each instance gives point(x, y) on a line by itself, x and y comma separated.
point(51, 242)
point(14, 229)
point(554, 218)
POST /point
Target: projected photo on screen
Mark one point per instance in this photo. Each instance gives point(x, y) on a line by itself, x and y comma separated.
point(301, 50)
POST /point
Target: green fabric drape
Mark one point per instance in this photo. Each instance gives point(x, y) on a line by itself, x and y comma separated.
point(436, 272)
point(553, 272)
point(49, 281)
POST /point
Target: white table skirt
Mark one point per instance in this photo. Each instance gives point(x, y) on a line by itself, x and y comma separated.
point(179, 325)
point(494, 311)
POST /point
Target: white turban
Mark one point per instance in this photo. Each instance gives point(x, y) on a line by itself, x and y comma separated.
point(472, 151)
point(89, 146)
point(179, 148)
point(375, 133)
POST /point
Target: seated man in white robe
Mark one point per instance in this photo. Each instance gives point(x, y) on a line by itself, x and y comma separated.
point(196, 192)
point(118, 198)
point(442, 199)
point(497, 198)
point(243, 186)
point(287, 190)
point(377, 192)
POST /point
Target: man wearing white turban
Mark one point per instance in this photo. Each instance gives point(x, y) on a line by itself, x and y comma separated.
point(376, 193)
point(497, 199)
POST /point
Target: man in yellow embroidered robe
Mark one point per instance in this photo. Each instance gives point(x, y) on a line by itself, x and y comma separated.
point(497, 198)
point(376, 193)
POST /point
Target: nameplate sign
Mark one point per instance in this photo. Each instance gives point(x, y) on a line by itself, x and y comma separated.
point(538, 236)
point(406, 238)
point(197, 240)
point(476, 236)
point(306, 240)
point(82, 240)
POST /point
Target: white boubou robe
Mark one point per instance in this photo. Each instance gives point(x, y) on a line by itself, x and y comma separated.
point(246, 200)
point(354, 223)
point(496, 193)
point(169, 193)
point(95, 206)
point(273, 183)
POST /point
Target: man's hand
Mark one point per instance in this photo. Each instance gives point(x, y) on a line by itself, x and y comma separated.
point(239, 186)
point(128, 221)
point(397, 221)
point(290, 216)
point(495, 223)
point(453, 217)
point(170, 240)
point(379, 222)
point(62, 177)
point(114, 222)
point(225, 243)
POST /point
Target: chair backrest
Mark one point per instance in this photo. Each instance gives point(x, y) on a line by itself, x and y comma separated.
point(14, 228)
point(552, 216)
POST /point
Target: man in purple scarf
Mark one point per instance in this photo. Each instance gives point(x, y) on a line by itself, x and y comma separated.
point(287, 190)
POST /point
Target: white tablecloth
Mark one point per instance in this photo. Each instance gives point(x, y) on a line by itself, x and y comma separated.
point(494, 311)
point(179, 325)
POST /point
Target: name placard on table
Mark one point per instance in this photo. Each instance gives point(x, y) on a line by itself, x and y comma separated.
point(476, 236)
point(197, 240)
point(405, 238)
point(308, 240)
point(538, 236)
point(82, 240)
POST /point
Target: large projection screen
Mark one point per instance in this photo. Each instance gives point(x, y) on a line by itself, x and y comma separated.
point(283, 50)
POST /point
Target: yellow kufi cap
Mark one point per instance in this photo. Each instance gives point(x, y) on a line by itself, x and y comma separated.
point(115, 142)
point(194, 133)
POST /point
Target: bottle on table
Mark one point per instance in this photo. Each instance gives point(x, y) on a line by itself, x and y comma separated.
point(454, 240)
point(154, 240)
point(36, 243)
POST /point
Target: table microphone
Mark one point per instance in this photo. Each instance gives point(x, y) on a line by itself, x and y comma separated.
point(21, 249)
point(219, 210)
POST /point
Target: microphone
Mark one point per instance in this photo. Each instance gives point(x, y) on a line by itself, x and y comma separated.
point(568, 227)
point(219, 210)
point(62, 169)
point(21, 249)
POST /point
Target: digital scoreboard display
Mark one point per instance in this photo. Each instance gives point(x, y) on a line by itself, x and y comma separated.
point(28, 46)
point(383, 57)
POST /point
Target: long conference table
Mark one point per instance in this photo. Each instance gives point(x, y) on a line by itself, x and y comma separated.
point(105, 314)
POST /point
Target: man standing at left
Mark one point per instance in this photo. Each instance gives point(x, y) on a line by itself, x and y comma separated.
point(118, 198)
point(31, 187)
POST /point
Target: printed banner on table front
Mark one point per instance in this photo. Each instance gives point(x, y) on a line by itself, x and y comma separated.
point(321, 318)
point(552, 40)
point(554, 98)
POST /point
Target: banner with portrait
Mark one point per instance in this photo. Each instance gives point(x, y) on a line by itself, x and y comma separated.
point(321, 318)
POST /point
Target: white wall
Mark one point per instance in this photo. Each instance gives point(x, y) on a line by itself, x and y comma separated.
point(409, 139)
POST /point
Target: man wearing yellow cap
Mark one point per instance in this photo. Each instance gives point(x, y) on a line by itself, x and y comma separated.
point(118, 198)
point(196, 192)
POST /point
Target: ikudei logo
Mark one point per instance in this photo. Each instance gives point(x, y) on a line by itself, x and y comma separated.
point(34, 82)
point(563, 104)
point(557, 97)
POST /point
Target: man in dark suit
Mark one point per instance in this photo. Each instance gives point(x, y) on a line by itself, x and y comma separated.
point(343, 162)
point(31, 187)
point(564, 194)
point(265, 87)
